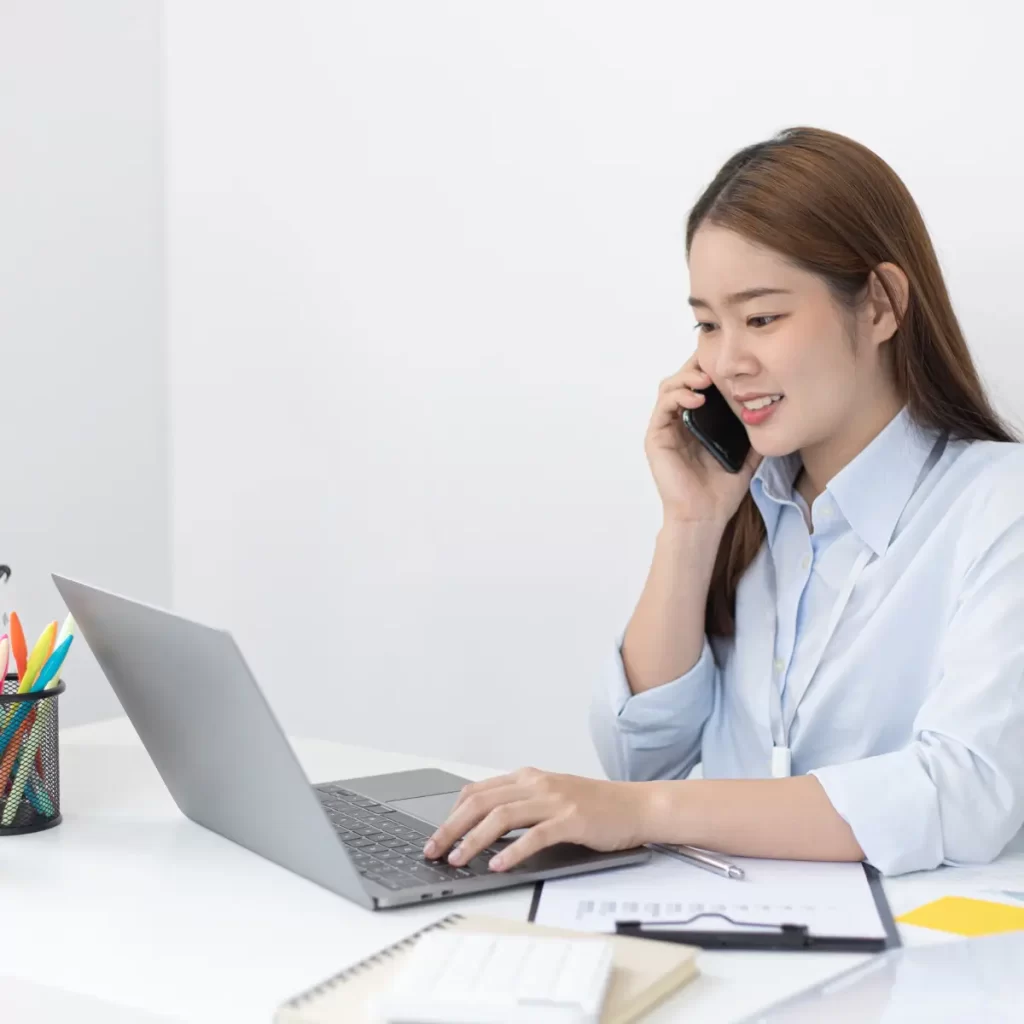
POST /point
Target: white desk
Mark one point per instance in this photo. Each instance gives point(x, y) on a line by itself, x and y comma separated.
point(129, 902)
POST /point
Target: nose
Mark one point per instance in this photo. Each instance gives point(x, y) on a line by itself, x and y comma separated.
point(732, 357)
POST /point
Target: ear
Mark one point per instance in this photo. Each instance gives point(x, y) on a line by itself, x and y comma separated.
point(883, 319)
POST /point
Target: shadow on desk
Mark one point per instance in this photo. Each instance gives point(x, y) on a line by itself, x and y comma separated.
point(27, 1001)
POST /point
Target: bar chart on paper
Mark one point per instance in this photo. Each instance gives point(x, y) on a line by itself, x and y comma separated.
point(830, 898)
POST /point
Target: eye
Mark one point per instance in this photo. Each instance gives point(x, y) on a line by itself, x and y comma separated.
point(759, 322)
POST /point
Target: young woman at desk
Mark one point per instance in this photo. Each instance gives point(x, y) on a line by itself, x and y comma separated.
point(836, 632)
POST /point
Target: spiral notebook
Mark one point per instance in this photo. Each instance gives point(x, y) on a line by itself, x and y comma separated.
point(644, 973)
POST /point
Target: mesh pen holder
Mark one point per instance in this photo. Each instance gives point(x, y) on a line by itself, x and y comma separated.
point(29, 759)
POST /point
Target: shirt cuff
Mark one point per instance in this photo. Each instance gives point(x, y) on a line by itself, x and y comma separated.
point(655, 734)
point(892, 806)
point(662, 708)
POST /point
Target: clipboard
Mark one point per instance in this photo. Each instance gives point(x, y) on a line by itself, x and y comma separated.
point(787, 937)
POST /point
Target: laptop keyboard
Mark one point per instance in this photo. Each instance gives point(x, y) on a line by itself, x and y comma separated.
point(383, 848)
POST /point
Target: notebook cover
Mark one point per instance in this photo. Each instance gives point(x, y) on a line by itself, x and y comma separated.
point(644, 973)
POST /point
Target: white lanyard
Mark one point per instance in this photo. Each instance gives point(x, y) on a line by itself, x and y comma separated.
point(781, 762)
point(781, 752)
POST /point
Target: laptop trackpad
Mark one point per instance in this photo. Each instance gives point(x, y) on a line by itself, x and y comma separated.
point(435, 809)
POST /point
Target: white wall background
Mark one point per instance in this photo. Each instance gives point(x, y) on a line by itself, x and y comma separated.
point(82, 376)
point(426, 271)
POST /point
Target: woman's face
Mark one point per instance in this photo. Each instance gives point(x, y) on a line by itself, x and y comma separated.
point(795, 344)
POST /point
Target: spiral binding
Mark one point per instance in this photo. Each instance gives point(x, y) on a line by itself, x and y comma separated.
point(369, 962)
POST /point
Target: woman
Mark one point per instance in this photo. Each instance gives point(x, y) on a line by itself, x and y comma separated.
point(836, 632)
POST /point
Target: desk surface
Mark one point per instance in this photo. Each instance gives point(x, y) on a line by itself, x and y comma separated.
point(129, 902)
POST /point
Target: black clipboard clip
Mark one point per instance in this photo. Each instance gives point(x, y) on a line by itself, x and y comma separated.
point(759, 936)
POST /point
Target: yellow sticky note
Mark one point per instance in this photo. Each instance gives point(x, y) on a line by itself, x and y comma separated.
point(964, 916)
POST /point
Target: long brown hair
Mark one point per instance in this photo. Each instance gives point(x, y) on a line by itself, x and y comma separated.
point(834, 208)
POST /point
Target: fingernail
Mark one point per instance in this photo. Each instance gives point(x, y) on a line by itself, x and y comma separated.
point(430, 849)
point(455, 857)
point(496, 863)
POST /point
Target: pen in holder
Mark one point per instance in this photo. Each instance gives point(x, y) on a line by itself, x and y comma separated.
point(29, 758)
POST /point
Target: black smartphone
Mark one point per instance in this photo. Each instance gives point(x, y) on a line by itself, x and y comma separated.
point(719, 429)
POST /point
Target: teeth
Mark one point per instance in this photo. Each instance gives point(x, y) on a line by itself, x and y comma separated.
point(760, 403)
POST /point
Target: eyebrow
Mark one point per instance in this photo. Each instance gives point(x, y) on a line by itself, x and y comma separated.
point(740, 297)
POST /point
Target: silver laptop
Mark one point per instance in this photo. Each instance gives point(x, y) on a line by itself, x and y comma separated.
point(229, 767)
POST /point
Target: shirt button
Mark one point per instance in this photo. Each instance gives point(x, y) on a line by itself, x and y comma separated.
point(779, 664)
point(805, 562)
point(827, 511)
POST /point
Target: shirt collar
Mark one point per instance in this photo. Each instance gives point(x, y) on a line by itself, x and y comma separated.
point(871, 491)
point(772, 486)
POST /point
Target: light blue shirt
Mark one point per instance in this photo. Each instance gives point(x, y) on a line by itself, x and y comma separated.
point(912, 716)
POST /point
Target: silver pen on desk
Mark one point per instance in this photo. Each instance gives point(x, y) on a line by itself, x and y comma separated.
point(700, 859)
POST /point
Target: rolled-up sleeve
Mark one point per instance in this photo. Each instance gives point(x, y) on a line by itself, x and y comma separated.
point(654, 734)
point(955, 794)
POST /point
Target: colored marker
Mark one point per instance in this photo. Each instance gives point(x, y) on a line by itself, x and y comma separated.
point(68, 629)
point(18, 645)
point(42, 650)
point(49, 674)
